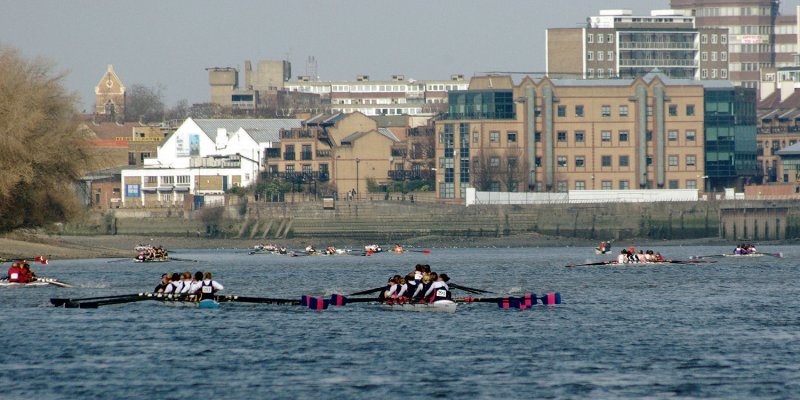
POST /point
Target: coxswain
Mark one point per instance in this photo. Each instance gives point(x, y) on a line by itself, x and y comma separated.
point(398, 248)
point(602, 247)
point(388, 290)
point(208, 287)
point(15, 273)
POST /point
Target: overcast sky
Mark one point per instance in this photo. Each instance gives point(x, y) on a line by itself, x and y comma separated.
point(171, 43)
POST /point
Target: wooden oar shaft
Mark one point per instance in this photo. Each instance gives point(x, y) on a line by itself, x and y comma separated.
point(260, 300)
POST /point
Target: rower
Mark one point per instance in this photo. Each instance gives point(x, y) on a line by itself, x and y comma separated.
point(15, 273)
point(27, 274)
point(398, 248)
point(196, 282)
point(163, 284)
point(175, 285)
point(208, 287)
point(310, 249)
point(412, 286)
point(186, 281)
point(438, 289)
point(622, 258)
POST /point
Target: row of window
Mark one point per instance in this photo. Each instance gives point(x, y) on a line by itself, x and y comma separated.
point(166, 180)
point(734, 11)
point(723, 39)
point(623, 110)
point(609, 55)
point(622, 161)
point(723, 73)
point(304, 168)
point(623, 184)
point(622, 136)
point(723, 56)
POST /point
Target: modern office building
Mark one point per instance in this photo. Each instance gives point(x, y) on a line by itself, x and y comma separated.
point(618, 44)
point(613, 134)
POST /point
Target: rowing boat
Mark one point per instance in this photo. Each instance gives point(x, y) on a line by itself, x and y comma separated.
point(744, 255)
point(144, 260)
point(37, 283)
point(446, 306)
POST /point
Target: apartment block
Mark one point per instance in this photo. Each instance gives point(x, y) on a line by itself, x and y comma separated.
point(618, 44)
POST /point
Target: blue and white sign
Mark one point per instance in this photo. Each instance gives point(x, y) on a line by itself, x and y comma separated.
point(132, 191)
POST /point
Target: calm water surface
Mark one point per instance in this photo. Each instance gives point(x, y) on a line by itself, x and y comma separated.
point(728, 330)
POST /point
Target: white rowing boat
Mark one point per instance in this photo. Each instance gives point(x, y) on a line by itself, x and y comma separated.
point(37, 283)
point(744, 255)
point(447, 306)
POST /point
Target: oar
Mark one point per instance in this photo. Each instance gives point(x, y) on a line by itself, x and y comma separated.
point(708, 256)
point(182, 259)
point(468, 289)
point(128, 299)
point(589, 264)
point(550, 298)
point(368, 291)
point(426, 251)
point(54, 282)
point(58, 302)
point(41, 259)
point(261, 300)
point(777, 255)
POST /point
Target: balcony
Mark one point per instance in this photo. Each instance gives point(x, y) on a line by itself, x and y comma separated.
point(298, 177)
point(305, 155)
point(402, 175)
point(625, 62)
point(623, 45)
point(323, 154)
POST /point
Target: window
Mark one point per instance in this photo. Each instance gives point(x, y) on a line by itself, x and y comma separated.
point(151, 180)
point(723, 56)
point(609, 56)
point(723, 39)
point(131, 158)
point(673, 160)
point(512, 137)
point(649, 110)
point(624, 185)
point(673, 110)
point(589, 38)
point(599, 38)
point(672, 136)
point(562, 136)
point(713, 56)
point(562, 111)
point(580, 185)
point(494, 186)
point(561, 186)
point(714, 39)
point(580, 161)
point(610, 38)
point(600, 73)
point(600, 55)
point(690, 136)
point(494, 136)
point(494, 162)
point(537, 137)
point(649, 160)
point(605, 111)
point(289, 153)
point(183, 179)
point(690, 109)
point(476, 137)
point(579, 136)
point(590, 56)
point(691, 184)
point(168, 180)
point(623, 111)
point(673, 184)
point(691, 160)
point(538, 162)
point(624, 161)
point(605, 136)
point(591, 72)
point(562, 161)
point(649, 136)
point(289, 169)
point(579, 111)
point(623, 136)
point(704, 56)
point(605, 185)
point(605, 161)
point(703, 73)
point(144, 155)
point(704, 39)
point(723, 73)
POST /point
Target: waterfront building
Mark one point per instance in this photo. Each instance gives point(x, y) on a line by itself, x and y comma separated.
point(204, 158)
point(551, 135)
point(618, 44)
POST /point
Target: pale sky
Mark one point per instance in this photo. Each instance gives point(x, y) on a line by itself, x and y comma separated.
point(171, 43)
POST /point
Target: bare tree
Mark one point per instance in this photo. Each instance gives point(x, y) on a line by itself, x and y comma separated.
point(144, 104)
point(43, 153)
point(485, 169)
point(515, 174)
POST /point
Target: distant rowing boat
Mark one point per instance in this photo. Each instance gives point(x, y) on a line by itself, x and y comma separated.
point(158, 259)
point(744, 255)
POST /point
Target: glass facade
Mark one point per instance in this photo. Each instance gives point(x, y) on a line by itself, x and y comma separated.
point(481, 104)
point(730, 135)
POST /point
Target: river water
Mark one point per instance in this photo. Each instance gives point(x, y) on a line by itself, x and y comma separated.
point(727, 330)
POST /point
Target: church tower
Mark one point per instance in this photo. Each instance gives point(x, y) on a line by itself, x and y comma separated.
point(110, 97)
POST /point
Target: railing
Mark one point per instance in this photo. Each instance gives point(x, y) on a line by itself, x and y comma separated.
point(305, 155)
point(138, 139)
point(297, 177)
point(214, 163)
point(323, 153)
point(778, 129)
point(401, 175)
point(657, 62)
point(655, 45)
point(288, 156)
point(482, 115)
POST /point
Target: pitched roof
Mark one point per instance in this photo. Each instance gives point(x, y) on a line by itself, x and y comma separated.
point(792, 150)
point(210, 126)
point(771, 101)
point(389, 134)
point(264, 135)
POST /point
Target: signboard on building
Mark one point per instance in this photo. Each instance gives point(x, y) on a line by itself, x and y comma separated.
point(750, 39)
point(194, 145)
point(132, 191)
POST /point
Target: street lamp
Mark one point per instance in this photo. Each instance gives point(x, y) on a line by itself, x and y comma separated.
point(358, 190)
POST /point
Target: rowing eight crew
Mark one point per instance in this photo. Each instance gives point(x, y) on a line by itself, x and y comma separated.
point(152, 253)
point(201, 283)
point(419, 286)
point(744, 249)
point(20, 272)
point(627, 256)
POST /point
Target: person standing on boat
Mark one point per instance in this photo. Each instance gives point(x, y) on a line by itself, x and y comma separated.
point(208, 287)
